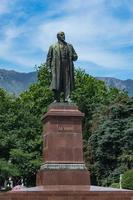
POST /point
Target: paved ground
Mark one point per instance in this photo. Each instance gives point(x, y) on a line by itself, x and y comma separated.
point(92, 188)
point(98, 188)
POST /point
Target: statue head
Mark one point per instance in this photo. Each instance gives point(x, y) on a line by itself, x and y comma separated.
point(61, 36)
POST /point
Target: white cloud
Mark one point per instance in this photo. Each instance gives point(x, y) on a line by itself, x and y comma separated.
point(89, 26)
point(94, 34)
point(6, 6)
point(11, 52)
point(107, 60)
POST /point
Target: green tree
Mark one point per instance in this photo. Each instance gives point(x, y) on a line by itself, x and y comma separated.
point(111, 143)
point(32, 104)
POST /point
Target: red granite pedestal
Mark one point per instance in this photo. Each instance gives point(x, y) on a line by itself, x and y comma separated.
point(63, 175)
point(63, 148)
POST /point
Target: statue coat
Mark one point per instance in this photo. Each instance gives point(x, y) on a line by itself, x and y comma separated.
point(54, 63)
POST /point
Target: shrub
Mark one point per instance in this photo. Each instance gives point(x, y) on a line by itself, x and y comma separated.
point(115, 185)
point(127, 180)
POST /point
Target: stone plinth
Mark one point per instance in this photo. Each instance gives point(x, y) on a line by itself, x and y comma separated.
point(61, 194)
point(63, 177)
point(62, 147)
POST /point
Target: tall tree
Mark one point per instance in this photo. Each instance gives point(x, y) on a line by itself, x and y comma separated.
point(111, 143)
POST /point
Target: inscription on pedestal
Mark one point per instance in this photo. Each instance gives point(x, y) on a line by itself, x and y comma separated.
point(65, 128)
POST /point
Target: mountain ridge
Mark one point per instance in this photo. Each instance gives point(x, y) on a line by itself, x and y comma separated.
point(17, 82)
point(126, 85)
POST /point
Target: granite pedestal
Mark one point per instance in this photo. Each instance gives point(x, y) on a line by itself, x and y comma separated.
point(63, 148)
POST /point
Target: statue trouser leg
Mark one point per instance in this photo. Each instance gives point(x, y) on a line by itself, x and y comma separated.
point(56, 95)
point(67, 93)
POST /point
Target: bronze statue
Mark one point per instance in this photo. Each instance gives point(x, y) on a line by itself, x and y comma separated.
point(60, 60)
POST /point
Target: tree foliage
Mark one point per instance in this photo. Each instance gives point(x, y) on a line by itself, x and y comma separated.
point(127, 180)
point(111, 143)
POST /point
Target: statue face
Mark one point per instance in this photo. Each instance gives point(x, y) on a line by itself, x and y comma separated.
point(61, 36)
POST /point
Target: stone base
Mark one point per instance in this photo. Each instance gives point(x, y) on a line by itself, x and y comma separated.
point(64, 177)
point(71, 194)
point(63, 148)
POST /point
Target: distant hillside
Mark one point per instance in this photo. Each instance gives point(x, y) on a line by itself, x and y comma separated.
point(126, 85)
point(15, 82)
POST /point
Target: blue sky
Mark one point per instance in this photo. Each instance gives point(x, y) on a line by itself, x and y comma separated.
point(101, 32)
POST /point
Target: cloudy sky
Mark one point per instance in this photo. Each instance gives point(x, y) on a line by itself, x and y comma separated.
point(101, 32)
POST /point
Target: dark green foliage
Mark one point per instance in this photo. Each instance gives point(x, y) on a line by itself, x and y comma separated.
point(89, 95)
point(111, 143)
point(8, 169)
point(21, 128)
point(127, 180)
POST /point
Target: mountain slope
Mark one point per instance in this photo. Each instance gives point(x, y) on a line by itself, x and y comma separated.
point(15, 82)
point(126, 85)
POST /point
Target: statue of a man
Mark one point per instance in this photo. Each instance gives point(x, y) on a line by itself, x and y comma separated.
point(60, 60)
